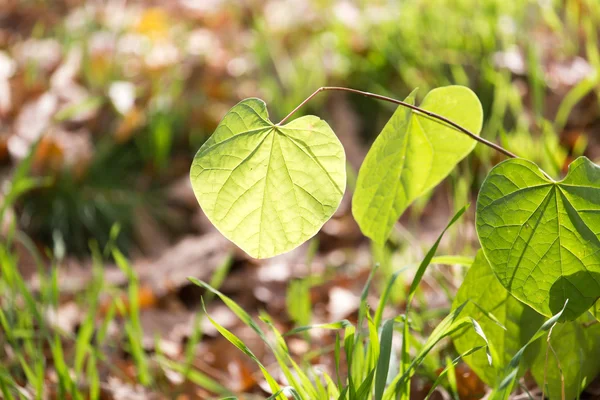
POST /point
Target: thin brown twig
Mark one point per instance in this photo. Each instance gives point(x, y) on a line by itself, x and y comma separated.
point(404, 104)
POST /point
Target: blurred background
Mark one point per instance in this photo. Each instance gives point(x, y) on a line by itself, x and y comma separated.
point(103, 105)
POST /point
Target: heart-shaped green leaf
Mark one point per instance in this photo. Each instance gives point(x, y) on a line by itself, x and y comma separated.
point(269, 188)
point(412, 154)
point(507, 323)
point(542, 237)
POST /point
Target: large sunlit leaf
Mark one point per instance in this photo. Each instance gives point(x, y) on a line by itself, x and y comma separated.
point(269, 188)
point(412, 154)
point(577, 346)
point(542, 237)
point(507, 322)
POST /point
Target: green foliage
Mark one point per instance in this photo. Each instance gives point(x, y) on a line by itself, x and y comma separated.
point(242, 347)
point(452, 323)
point(369, 358)
point(507, 322)
point(572, 358)
point(269, 188)
point(133, 325)
point(542, 237)
point(413, 154)
point(391, 49)
point(28, 335)
point(540, 244)
point(451, 372)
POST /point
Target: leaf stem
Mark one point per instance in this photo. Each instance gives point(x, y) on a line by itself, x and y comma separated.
point(404, 104)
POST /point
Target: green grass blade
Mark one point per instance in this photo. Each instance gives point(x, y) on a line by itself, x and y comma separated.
point(385, 352)
point(4, 389)
point(373, 345)
point(479, 331)
point(138, 354)
point(349, 344)
point(218, 277)
point(332, 389)
point(82, 343)
point(489, 315)
point(453, 260)
point(32, 378)
point(244, 349)
point(343, 393)
point(93, 378)
point(450, 366)
point(336, 355)
point(65, 383)
point(216, 281)
point(195, 376)
point(429, 256)
point(306, 390)
point(233, 306)
point(452, 383)
point(343, 324)
point(133, 326)
point(570, 100)
point(363, 297)
point(271, 397)
point(446, 327)
point(365, 387)
point(385, 295)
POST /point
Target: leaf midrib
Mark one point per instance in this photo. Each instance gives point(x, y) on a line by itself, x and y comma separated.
point(543, 203)
point(262, 207)
point(275, 132)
